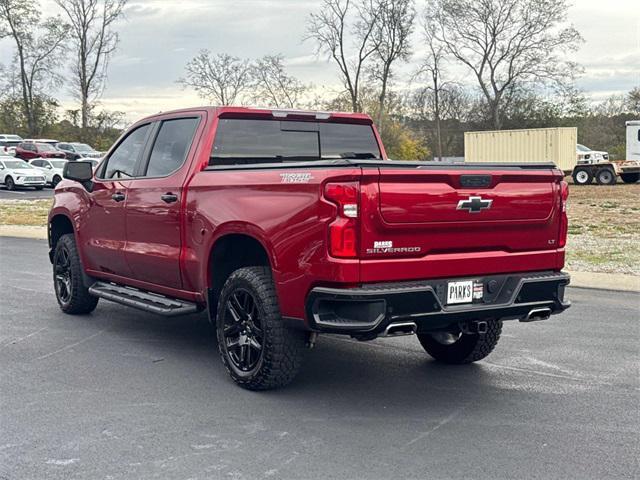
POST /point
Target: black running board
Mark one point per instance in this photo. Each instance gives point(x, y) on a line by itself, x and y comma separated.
point(149, 302)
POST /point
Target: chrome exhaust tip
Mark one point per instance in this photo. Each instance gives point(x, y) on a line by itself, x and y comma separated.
point(399, 329)
point(537, 314)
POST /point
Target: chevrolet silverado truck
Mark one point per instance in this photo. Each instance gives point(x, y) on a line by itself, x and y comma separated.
point(284, 225)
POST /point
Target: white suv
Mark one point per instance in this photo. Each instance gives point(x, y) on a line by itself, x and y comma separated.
point(51, 168)
point(18, 173)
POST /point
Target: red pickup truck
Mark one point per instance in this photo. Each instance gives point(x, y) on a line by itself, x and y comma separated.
point(287, 224)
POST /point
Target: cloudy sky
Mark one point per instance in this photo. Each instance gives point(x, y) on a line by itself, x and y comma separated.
point(159, 36)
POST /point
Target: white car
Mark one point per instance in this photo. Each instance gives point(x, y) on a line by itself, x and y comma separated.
point(51, 168)
point(18, 173)
point(586, 156)
point(8, 143)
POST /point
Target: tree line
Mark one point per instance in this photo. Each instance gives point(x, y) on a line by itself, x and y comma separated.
point(82, 40)
point(425, 73)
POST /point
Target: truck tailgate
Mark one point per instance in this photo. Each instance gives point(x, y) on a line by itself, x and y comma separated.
point(431, 213)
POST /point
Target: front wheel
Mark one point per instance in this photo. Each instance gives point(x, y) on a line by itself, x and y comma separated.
point(39, 188)
point(71, 293)
point(56, 180)
point(459, 348)
point(582, 176)
point(9, 183)
point(257, 349)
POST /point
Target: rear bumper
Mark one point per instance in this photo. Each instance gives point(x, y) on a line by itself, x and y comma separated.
point(370, 309)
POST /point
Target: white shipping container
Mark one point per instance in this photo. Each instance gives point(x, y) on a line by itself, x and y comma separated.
point(534, 145)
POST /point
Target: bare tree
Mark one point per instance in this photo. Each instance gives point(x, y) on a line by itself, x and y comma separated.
point(219, 78)
point(432, 68)
point(39, 46)
point(94, 41)
point(507, 44)
point(274, 86)
point(393, 27)
point(344, 29)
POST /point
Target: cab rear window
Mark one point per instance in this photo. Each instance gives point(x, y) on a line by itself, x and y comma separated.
point(244, 141)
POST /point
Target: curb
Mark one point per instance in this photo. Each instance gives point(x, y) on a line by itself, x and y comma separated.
point(23, 231)
point(591, 280)
point(605, 281)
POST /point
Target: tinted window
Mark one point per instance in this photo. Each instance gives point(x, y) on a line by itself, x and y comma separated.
point(171, 146)
point(347, 140)
point(81, 147)
point(45, 147)
point(37, 163)
point(16, 164)
point(28, 146)
point(241, 141)
point(122, 162)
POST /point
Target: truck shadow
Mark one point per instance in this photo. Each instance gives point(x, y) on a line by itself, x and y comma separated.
point(338, 372)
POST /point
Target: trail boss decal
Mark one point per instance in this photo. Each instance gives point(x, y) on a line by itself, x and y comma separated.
point(386, 246)
point(295, 177)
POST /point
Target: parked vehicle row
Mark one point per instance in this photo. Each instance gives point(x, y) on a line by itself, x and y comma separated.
point(29, 148)
point(37, 173)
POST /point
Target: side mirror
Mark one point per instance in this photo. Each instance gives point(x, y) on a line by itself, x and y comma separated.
point(81, 172)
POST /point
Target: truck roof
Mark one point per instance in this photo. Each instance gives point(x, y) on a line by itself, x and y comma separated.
point(250, 112)
point(633, 123)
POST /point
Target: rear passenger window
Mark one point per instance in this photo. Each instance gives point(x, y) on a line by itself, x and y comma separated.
point(122, 162)
point(171, 146)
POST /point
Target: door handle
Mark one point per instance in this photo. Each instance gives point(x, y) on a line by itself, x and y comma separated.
point(118, 196)
point(169, 197)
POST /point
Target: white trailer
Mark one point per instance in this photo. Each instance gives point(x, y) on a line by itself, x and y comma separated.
point(557, 145)
point(633, 140)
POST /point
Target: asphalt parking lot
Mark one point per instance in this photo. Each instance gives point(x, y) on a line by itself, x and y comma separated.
point(25, 193)
point(121, 394)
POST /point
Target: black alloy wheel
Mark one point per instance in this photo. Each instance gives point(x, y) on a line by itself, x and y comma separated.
point(243, 330)
point(62, 275)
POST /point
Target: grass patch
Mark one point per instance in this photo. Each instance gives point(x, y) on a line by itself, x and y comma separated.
point(24, 212)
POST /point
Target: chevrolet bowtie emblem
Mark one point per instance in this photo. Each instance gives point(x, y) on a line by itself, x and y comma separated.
point(474, 204)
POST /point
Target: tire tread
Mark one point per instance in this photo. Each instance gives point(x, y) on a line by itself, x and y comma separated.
point(283, 347)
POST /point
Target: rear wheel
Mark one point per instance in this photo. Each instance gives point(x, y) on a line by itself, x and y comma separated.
point(582, 176)
point(630, 177)
point(459, 348)
point(257, 349)
point(71, 293)
point(9, 183)
point(606, 176)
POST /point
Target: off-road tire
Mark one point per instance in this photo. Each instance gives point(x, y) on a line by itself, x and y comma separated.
point(630, 177)
point(282, 347)
point(10, 183)
point(80, 301)
point(467, 349)
point(606, 176)
point(579, 177)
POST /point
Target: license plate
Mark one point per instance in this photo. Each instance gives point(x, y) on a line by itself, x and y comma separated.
point(459, 292)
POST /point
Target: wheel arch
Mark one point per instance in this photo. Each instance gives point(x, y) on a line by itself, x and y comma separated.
point(229, 252)
point(59, 224)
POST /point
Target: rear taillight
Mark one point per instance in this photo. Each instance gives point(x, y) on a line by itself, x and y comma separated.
point(343, 231)
point(564, 221)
